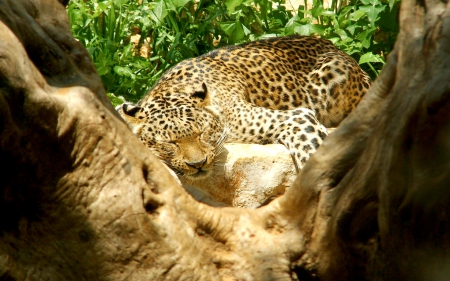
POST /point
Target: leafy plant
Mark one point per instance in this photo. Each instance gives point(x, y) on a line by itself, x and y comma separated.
point(132, 42)
point(365, 29)
point(104, 28)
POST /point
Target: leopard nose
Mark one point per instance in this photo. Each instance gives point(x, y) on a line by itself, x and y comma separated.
point(197, 164)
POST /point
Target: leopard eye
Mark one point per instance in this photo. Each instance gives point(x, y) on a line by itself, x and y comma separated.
point(203, 135)
point(172, 144)
point(162, 142)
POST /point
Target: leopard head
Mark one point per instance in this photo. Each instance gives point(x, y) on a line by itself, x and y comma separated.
point(185, 130)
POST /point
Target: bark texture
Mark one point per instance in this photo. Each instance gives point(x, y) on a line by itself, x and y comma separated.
point(82, 199)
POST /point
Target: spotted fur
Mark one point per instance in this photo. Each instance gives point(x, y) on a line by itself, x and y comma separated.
point(281, 90)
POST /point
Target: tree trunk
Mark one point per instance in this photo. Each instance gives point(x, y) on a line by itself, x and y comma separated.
point(82, 199)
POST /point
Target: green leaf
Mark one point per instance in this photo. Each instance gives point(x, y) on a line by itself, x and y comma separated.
point(370, 57)
point(351, 29)
point(246, 30)
point(308, 29)
point(115, 100)
point(233, 29)
point(294, 24)
point(372, 13)
point(342, 34)
point(111, 22)
point(102, 70)
point(366, 37)
point(103, 6)
point(124, 71)
point(392, 3)
point(343, 14)
point(317, 10)
point(158, 11)
point(356, 15)
point(334, 39)
point(232, 4)
point(327, 13)
point(179, 3)
point(300, 12)
point(174, 5)
point(367, 2)
point(120, 2)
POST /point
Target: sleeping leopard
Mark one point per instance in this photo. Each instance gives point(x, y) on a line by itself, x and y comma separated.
point(281, 90)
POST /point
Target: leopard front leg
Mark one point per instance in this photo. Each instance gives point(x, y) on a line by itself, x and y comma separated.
point(298, 130)
point(301, 134)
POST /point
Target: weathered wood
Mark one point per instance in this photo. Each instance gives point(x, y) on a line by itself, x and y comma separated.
point(82, 198)
point(374, 200)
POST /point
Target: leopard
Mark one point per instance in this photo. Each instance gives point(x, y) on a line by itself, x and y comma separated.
point(286, 90)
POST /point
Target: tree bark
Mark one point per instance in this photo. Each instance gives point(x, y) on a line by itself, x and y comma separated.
point(82, 199)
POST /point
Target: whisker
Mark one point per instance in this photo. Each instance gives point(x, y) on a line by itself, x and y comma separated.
point(210, 176)
point(221, 141)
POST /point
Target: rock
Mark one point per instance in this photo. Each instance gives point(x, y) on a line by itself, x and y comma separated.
point(246, 175)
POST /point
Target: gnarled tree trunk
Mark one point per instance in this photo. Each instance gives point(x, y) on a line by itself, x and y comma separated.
point(82, 198)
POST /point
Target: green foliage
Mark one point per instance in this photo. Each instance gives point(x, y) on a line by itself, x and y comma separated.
point(365, 29)
point(105, 28)
point(173, 30)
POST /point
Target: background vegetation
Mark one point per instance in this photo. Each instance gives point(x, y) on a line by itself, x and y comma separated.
point(132, 42)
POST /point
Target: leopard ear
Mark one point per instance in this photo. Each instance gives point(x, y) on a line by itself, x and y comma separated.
point(203, 96)
point(128, 109)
